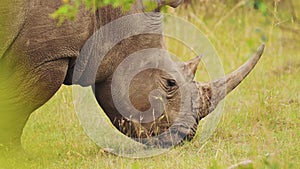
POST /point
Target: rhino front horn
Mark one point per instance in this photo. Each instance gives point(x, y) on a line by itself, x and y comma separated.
point(213, 92)
point(221, 87)
point(232, 80)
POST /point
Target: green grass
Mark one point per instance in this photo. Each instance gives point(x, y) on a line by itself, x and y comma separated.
point(261, 118)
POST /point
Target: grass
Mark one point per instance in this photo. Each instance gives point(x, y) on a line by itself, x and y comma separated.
point(260, 122)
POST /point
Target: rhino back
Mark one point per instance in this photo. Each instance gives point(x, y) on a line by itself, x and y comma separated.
point(42, 38)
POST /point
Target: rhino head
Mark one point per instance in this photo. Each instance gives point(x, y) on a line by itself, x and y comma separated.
point(161, 106)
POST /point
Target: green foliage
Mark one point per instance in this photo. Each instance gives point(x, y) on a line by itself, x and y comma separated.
point(261, 6)
point(69, 9)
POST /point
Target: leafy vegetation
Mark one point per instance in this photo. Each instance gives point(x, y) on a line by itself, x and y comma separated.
point(261, 119)
point(69, 9)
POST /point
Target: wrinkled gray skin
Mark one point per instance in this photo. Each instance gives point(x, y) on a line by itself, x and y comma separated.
point(37, 57)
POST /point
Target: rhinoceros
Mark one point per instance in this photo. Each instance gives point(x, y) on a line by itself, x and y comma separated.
point(37, 57)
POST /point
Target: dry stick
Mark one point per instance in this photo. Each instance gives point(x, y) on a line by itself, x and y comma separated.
point(201, 148)
point(241, 3)
point(275, 18)
point(241, 164)
point(293, 11)
point(210, 33)
point(292, 30)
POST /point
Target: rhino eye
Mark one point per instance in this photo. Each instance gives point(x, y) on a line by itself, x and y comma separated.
point(171, 82)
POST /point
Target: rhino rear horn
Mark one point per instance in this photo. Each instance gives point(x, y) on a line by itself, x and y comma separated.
point(193, 64)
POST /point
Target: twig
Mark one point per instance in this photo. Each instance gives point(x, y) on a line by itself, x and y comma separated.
point(201, 147)
point(285, 28)
point(241, 3)
point(241, 164)
point(293, 11)
point(210, 33)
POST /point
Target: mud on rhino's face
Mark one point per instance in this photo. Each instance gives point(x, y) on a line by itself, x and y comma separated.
point(163, 96)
